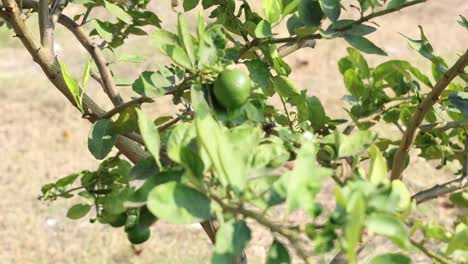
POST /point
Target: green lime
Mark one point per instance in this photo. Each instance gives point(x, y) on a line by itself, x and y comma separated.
point(138, 234)
point(118, 220)
point(391, 155)
point(232, 88)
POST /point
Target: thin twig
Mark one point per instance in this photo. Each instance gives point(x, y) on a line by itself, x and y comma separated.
point(98, 57)
point(169, 124)
point(443, 125)
point(431, 98)
point(86, 15)
point(287, 113)
point(440, 189)
point(118, 109)
point(430, 253)
point(291, 236)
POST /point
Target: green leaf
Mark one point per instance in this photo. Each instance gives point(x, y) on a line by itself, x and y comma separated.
point(352, 145)
point(331, 8)
point(422, 46)
point(391, 258)
point(178, 204)
point(460, 101)
point(463, 22)
point(190, 4)
point(289, 6)
point(231, 238)
point(458, 241)
point(140, 196)
point(356, 209)
point(154, 84)
point(77, 211)
point(72, 86)
point(132, 58)
point(103, 30)
point(65, 181)
point(227, 164)
point(186, 39)
point(395, 3)
point(460, 199)
point(263, 29)
point(259, 72)
point(84, 80)
point(356, 58)
point(304, 182)
point(272, 10)
point(403, 193)
point(118, 12)
point(127, 121)
point(101, 138)
point(168, 44)
point(378, 167)
point(310, 12)
point(355, 84)
point(389, 226)
point(364, 45)
point(149, 133)
point(285, 87)
point(278, 254)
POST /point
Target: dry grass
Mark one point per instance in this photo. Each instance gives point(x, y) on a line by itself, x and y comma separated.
point(43, 138)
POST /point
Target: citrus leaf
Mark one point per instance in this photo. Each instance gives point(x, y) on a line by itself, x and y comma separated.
point(231, 239)
point(118, 12)
point(364, 45)
point(101, 138)
point(278, 254)
point(150, 135)
point(331, 8)
point(77, 211)
point(391, 258)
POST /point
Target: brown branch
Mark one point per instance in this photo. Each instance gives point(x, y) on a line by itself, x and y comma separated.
point(418, 116)
point(443, 126)
point(98, 57)
point(46, 28)
point(440, 189)
point(119, 108)
point(169, 124)
point(258, 42)
point(51, 68)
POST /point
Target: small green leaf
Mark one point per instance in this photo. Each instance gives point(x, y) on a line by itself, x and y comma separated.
point(391, 258)
point(460, 199)
point(403, 193)
point(190, 4)
point(259, 72)
point(150, 135)
point(458, 241)
point(263, 29)
point(144, 169)
point(154, 84)
point(103, 30)
point(460, 101)
point(101, 138)
point(231, 238)
point(272, 10)
point(118, 12)
point(127, 121)
point(289, 6)
point(84, 80)
point(378, 166)
point(354, 144)
point(463, 22)
point(356, 208)
point(179, 204)
point(132, 58)
point(364, 45)
point(331, 8)
point(395, 3)
point(422, 46)
point(389, 226)
point(72, 86)
point(168, 44)
point(186, 39)
point(310, 12)
point(285, 87)
point(78, 211)
point(278, 254)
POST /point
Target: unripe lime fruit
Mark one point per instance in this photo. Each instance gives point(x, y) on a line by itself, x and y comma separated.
point(391, 155)
point(118, 220)
point(138, 234)
point(232, 88)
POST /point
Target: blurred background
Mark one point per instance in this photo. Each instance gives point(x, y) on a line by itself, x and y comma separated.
point(42, 138)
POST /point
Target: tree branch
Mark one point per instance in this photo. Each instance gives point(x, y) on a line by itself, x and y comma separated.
point(443, 125)
point(51, 68)
point(431, 98)
point(440, 189)
point(432, 255)
point(117, 109)
point(98, 57)
point(46, 28)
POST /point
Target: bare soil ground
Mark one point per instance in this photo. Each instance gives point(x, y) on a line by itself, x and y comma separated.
point(42, 138)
